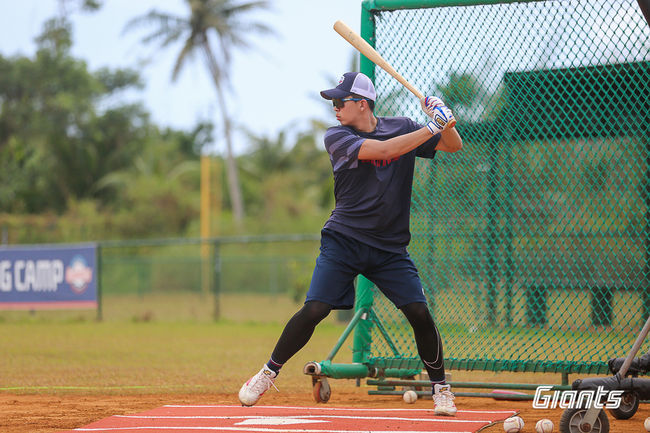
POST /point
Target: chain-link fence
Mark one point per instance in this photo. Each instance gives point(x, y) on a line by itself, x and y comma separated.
point(532, 242)
point(248, 278)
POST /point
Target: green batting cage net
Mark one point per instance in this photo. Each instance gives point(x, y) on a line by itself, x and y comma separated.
point(532, 241)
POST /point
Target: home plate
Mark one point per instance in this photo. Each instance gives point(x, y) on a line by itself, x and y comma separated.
point(274, 419)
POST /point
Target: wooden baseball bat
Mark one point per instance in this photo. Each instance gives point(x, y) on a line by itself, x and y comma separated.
point(364, 48)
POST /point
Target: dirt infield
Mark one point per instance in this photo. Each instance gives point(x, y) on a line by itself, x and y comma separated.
point(22, 413)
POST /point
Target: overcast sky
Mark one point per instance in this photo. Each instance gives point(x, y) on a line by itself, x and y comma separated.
point(275, 84)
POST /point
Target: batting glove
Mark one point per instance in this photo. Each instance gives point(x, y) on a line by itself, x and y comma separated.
point(441, 119)
point(429, 103)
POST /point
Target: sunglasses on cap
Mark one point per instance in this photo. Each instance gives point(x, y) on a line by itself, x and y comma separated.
point(339, 103)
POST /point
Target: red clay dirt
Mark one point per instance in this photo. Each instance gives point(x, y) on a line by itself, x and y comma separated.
point(29, 413)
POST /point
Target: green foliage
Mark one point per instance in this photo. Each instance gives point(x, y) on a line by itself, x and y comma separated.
point(189, 144)
point(81, 5)
point(79, 164)
point(462, 89)
point(55, 143)
point(300, 278)
point(282, 180)
point(81, 222)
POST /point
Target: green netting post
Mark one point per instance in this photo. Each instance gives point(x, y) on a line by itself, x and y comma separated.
point(367, 33)
point(362, 332)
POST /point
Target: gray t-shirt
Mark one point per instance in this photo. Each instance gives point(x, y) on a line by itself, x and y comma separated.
point(373, 197)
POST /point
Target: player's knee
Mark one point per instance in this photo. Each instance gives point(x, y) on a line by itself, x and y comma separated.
point(417, 313)
point(315, 311)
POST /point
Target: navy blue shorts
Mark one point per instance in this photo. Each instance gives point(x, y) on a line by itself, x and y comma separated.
point(342, 258)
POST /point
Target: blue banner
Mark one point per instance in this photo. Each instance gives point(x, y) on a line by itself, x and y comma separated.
point(48, 277)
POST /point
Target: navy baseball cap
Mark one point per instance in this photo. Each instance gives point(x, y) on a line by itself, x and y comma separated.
point(352, 82)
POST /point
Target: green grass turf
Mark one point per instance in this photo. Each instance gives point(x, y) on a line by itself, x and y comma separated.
point(122, 357)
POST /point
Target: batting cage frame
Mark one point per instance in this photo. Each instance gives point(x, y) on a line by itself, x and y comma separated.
point(533, 241)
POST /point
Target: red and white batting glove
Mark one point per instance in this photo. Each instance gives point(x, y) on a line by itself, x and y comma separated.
point(442, 118)
point(429, 103)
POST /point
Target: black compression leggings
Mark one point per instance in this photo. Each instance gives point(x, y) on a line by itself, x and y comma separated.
point(299, 330)
point(301, 326)
point(427, 339)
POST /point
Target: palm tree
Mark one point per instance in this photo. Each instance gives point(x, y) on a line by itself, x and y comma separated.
point(211, 31)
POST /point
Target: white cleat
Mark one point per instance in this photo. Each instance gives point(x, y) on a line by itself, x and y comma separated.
point(251, 391)
point(443, 400)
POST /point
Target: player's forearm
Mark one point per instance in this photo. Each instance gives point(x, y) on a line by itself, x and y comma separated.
point(450, 141)
point(393, 147)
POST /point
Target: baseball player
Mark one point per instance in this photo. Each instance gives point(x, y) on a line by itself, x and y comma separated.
point(373, 160)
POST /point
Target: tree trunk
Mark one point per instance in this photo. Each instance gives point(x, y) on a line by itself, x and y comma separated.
point(231, 165)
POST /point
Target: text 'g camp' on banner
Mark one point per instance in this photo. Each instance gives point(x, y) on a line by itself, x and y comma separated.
point(48, 277)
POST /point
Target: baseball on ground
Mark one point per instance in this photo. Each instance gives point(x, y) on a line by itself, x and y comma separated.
point(544, 426)
point(514, 424)
point(410, 396)
point(646, 424)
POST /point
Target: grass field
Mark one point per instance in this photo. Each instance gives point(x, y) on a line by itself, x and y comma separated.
point(142, 350)
point(141, 356)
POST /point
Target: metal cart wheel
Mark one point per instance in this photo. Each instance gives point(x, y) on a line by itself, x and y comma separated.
point(628, 407)
point(571, 421)
point(321, 389)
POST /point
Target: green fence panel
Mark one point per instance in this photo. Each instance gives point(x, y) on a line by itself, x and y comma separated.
point(532, 242)
point(161, 276)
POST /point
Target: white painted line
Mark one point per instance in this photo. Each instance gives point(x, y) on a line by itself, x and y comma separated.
point(279, 421)
point(269, 430)
point(369, 418)
point(334, 408)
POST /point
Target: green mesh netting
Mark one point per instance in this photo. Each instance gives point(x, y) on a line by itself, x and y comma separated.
point(532, 242)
